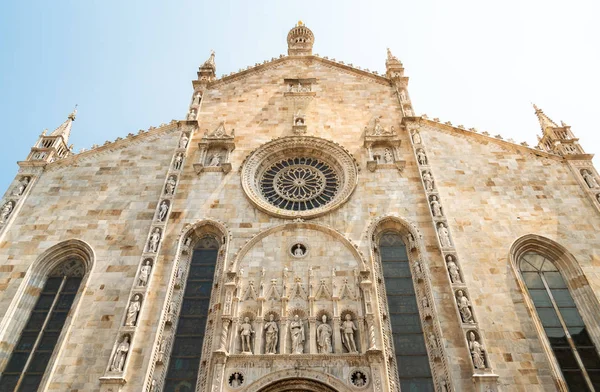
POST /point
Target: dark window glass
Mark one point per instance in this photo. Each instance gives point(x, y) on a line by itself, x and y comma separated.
point(407, 333)
point(550, 294)
point(184, 362)
point(37, 342)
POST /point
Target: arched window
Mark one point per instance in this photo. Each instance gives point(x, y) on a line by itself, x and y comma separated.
point(184, 363)
point(407, 332)
point(32, 353)
point(568, 336)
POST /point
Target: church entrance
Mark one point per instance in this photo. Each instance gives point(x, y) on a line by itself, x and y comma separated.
point(297, 385)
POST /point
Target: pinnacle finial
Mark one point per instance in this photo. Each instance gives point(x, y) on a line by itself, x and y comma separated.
point(210, 63)
point(390, 56)
point(73, 114)
point(544, 120)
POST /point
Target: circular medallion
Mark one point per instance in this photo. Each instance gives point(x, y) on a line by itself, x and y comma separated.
point(299, 177)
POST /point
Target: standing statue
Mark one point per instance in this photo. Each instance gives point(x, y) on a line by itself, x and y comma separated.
point(476, 351)
point(246, 333)
point(453, 270)
point(144, 274)
point(298, 252)
point(6, 210)
point(178, 161)
point(324, 333)
point(388, 157)
point(428, 180)
point(154, 240)
point(297, 334)
point(197, 98)
point(21, 187)
point(348, 327)
point(436, 207)
point(590, 180)
point(170, 187)
point(271, 336)
point(162, 211)
point(191, 116)
point(444, 235)
point(133, 311)
point(421, 157)
point(120, 354)
point(463, 307)
point(416, 137)
point(215, 160)
point(183, 142)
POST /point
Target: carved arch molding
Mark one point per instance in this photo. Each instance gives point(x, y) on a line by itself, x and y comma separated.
point(297, 380)
point(297, 385)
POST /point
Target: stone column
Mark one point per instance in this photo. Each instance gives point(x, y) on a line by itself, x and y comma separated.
point(224, 334)
point(258, 335)
point(312, 335)
point(337, 336)
point(234, 335)
point(361, 338)
point(283, 327)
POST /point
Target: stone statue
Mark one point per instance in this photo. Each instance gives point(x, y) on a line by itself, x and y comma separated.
point(235, 381)
point(118, 361)
point(285, 273)
point(170, 187)
point(388, 157)
point(6, 210)
point(191, 116)
point(444, 236)
point(178, 161)
point(476, 351)
point(453, 270)
point(197, 98)
point(416, 137)
point(162, 211)
point(154, 240)
point(378, 129)
point(183, 142)
point(153, 386)
point(144, 274)
point(298, 252)
point(133, 311)
point(19, 189)
point(348, 327)
point(170, 313)
point(178, 277)
point(324, 333)
point(297, 334)
point(444, 385)
point(333, 271)
point(246, 333)
point(271, 336)
point(411, 241)
point(421, 157)
point(590, 180)
point(463, 307)
point(432, 341)
point(428, 180)
point(215, 160)
point(436, 207)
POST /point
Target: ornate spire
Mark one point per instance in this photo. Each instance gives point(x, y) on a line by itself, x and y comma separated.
point(210, 63)
point(300, 40)
point(544, 120)
point(394, 68)
point(64, 129)
point(208, 70)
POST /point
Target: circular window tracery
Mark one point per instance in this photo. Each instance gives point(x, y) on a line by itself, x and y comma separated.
point(299, 184)
point(299, 176)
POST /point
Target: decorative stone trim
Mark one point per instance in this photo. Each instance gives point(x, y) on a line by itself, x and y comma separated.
point(383, 147)
point(215, 151)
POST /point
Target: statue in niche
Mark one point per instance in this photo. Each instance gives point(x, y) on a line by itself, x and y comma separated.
point(444, 235)
point(432, 341)
point(246, 333)
point(271, 336)
point(476, 351)
point(170, 187)
point(19, 189)
point(144, 274)
point(444, 385)
point(170, 313)
point(388, 157)
point(191, 115)
point(298, 252)
point(197, 97)
point(421, 157)
point(436, 207)
point(348, 327)
point(453, 270)
point(411, 241)
point(178, 277)
point(402, 96)
point(120, 355)
point(133, 311)
point(416, 137)
point(378, 128)
point(236, 380)
point(154, 386)
point(183, 142)
point(463, 307)
point(589, 179)
point(6, 210)
point(178, 161)
point(428, 180)
point(297, 334)
point(333, 271)
point(215, 160)
point(154, 240)
point(324, 333)
point(409, 112)
point(162, 211)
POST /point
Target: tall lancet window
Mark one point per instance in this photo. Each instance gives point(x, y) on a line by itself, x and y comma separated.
point(30, 357)
point(407, 332)
point(574, 350)
point(189, 336)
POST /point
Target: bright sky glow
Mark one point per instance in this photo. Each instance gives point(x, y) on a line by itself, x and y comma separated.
point(129, 64)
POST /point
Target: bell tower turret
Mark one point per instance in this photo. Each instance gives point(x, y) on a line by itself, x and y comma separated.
point(556, 139)
point(55, 145)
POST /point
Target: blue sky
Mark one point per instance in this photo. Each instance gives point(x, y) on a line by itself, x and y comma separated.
point(129, 64)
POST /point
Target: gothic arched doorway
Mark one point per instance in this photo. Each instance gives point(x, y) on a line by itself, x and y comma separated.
point(297, 385)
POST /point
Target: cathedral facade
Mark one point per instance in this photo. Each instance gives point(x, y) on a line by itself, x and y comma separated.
point(302, 230)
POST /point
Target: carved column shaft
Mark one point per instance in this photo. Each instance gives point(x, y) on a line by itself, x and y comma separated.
point(258, 335)
point(312, 325)
point(283, 336)
point(337, 336)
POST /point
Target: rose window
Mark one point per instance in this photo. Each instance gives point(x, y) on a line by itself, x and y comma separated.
point(299, 184)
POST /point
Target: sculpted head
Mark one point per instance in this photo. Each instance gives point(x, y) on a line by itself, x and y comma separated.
point(324, 318)
point(348, 317)
point(246, 319)
point(271, 317)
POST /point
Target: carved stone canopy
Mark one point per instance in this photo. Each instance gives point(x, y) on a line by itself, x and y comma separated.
point(215, 149)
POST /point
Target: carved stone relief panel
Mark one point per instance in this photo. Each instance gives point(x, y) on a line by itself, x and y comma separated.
point(215, 150)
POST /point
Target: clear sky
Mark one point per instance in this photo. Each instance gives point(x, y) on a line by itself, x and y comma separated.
point(129, 64)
